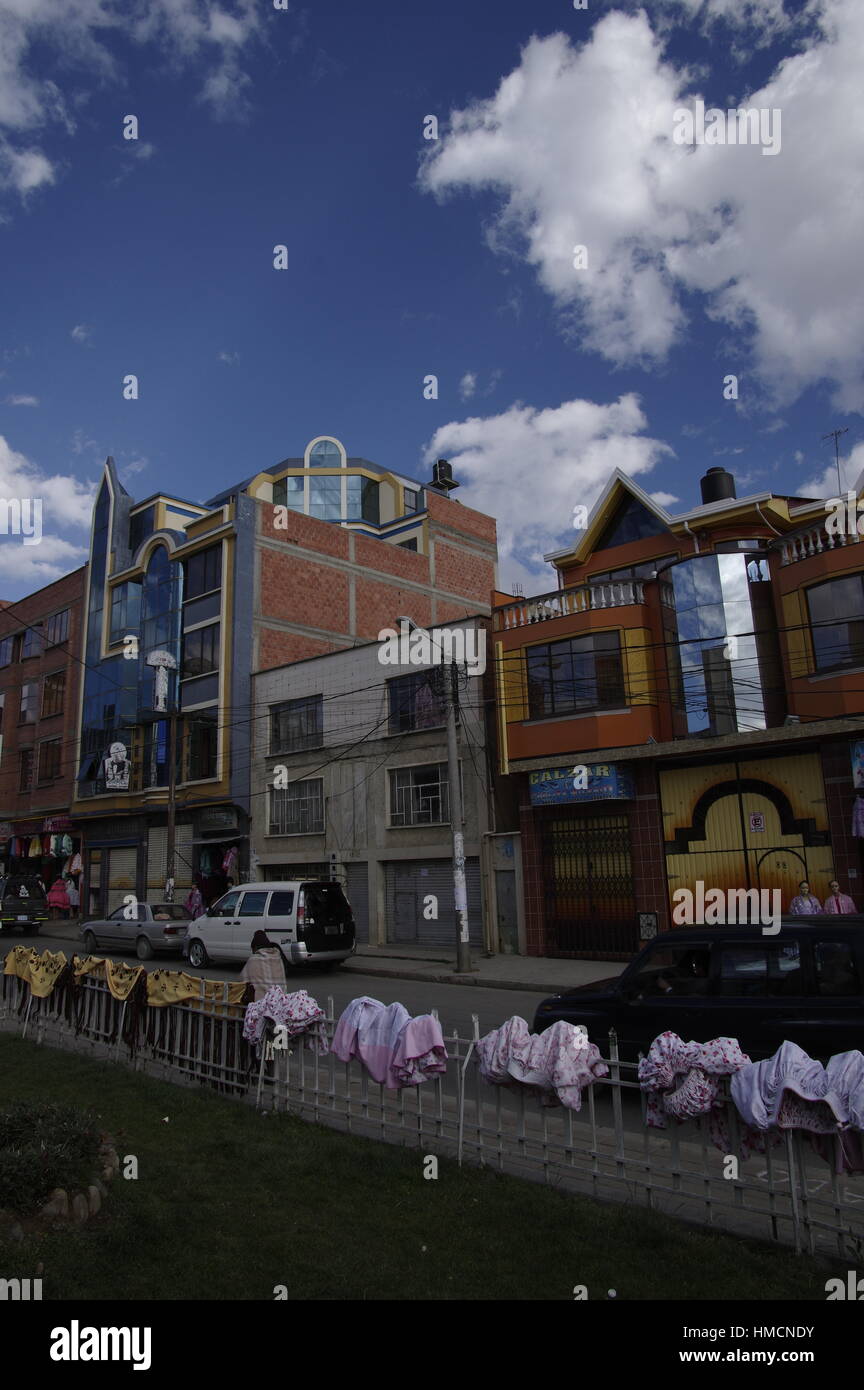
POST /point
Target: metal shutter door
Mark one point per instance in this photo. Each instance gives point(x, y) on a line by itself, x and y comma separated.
point(406, 888)
point(121, 875)
point(357, 892)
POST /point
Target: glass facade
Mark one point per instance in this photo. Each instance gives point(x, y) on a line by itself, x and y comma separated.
point(724, 666)
point(576, 675)
point(325, 497)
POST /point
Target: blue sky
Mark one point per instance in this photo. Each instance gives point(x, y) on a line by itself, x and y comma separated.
point(409, 257)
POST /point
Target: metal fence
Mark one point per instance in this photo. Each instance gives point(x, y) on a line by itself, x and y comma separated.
point(789, 1194)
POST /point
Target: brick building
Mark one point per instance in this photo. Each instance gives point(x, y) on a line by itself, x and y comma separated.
point(187, 600)
point(705, 669)
point(40, 638)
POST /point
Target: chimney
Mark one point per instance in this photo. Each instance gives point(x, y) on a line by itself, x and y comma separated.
point(442, 477)
point(717, 486)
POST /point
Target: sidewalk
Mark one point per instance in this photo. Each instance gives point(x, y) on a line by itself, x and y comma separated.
point(436, 965)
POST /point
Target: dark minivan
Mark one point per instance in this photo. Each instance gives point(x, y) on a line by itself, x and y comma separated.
point(805, 984)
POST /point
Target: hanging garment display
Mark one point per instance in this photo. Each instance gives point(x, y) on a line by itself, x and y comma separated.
point(683, 1079)
point(66, 845)
point(794, 1091)
point(77, 865)
point(558, 1063)
point(229, 863)
point(370, 1030)
point(194, 903)
point(35, 850)
point(297, 1013)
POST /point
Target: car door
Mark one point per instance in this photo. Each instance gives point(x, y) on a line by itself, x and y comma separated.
point(761, 996)
point(114, 931)
point(216, 927)
point(280, 924)
point(664, 990)
point(831, 1018)
point(250, 918)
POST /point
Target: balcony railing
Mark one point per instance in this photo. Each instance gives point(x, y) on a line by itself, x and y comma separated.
point(813, 541)
point(566, 603)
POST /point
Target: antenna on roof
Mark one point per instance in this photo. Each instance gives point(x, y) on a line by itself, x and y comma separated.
point(835, 435)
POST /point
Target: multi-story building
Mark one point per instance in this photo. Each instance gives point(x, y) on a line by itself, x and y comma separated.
point(683, 708)
point(186, 600)
point(40, 638)
point(351, 780)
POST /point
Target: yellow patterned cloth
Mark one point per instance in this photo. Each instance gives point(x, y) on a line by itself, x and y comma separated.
point(176, 987)
point(120, 978)
point(18, 962)
point(45, 971)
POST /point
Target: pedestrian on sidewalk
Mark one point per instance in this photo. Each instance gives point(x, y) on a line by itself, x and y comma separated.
point(265, 967)
point(839, 903)
point(73, 896)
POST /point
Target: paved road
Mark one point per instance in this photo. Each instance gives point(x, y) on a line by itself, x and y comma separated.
point(455, 1003)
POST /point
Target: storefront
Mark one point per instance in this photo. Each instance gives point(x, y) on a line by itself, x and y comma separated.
point(48, 847)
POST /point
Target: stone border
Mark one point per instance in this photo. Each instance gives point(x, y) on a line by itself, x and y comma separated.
point(78, 1207)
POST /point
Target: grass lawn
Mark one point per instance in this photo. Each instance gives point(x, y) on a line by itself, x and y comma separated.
point(228, 1204)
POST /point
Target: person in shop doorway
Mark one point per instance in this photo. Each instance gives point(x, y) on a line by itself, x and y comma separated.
point(73, 896)
point(58, 899)
point(265, 967)
point(838, 903)
point(805, 904)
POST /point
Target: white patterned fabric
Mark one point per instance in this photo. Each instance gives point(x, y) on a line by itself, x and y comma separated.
point(297, 1013)
point(559, 1063)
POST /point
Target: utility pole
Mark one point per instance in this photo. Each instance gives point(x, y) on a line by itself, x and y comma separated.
point(460, 895)
point(835, 435)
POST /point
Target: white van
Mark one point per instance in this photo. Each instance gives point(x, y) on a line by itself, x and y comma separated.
point(310, 919)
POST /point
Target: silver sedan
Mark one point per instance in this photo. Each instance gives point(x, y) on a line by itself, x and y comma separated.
point(143, 927)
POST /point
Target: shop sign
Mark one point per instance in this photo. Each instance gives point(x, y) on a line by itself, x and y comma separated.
point(219, 818)
point(116, 768)
point(53, 825)
point(554, 786)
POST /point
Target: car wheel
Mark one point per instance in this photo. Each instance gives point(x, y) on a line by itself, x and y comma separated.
point(143, 949)
point(197, 955)
point(90, 943)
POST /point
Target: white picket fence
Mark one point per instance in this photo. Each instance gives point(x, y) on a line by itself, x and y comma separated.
point(789, 1195)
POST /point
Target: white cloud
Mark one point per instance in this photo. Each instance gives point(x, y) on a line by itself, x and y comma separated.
point(529, 468)
point(66, 506)
point(664, 499)
point(213, 40)
point(229, 358)
point(577, 143)
point(824, 484)
point(81, 333)
point(468, 385)
point(22, 400)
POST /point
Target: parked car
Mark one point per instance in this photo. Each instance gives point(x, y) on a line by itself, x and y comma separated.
point(24, 904)
point(311, 920)
point(804, 985)
point(151, 927)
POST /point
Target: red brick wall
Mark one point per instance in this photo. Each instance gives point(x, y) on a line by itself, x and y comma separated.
point(464, 572)
point(378, 606)
point(301, 591)
point(67, 592)
point(308, 531)
point(390, 559)
point(455, 514)
point(277, 648)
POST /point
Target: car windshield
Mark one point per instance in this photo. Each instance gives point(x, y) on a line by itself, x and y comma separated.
point(169, 912)
point(25, 889)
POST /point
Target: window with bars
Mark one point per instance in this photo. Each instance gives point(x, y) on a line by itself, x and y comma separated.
point(49, 759)
point(297, 809)
point(53, 694)
point(57, 628)
point(297, 724)
point(419, 795)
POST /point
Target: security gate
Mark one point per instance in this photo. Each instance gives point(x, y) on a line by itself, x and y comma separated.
point(588, 885)
point(410, 886)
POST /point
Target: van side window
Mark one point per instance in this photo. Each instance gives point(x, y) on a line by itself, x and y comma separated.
point(751, 971)
point(281, 905)
point(253, 905)
point(836, 971)
point(226, 907)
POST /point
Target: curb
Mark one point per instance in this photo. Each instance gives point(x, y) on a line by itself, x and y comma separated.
point(529, 987)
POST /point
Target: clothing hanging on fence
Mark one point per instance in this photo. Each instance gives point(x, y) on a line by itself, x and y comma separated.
point(794, 1091)
point(396, 1049)
point(683, 1079)
point(297, 1013)
point(558, 1063)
